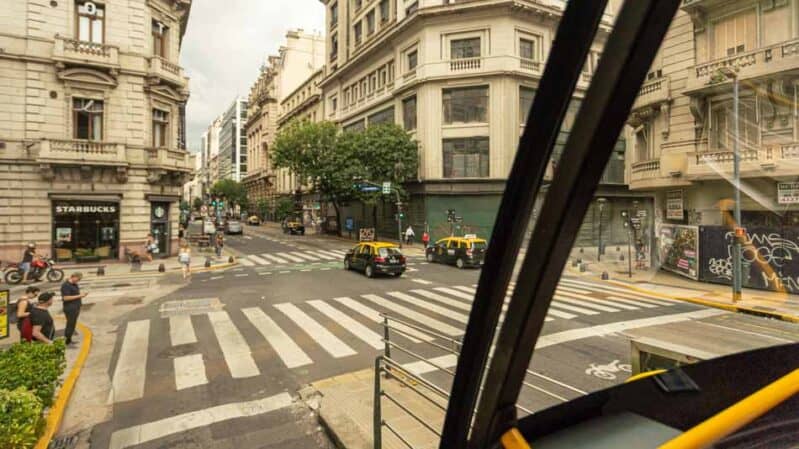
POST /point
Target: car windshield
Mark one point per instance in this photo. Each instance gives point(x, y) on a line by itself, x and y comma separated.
point(387, 252)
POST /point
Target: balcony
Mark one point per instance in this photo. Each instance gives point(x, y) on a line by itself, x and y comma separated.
point(759, 63)
point(766, 161)
point(465, 64)
point(73, 51)
point(168, 71)
point(645, 170)
point(653, 92)
point(81, 152)
point(530, 65)
point(168, 159)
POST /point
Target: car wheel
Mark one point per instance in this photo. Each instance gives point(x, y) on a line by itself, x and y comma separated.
point(369, 271)
point(430, 257)
point(459, 263)
point(347, 265)
point(398, 275)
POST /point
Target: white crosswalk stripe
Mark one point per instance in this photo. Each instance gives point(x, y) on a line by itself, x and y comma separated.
point(189, 371)
point(246, 262)
point(259, 260)
point(372, 314)
point(128, 381)
point(585, 304)
point(449, 313)
point(619, 291)
point(234, 348)
point(560, 305)
point(338, 252)
point(369, 336)
point(612, 304)
point(432, 323)
point(329, 342)
point(456, 293)
point(181, 331)
point(321, 255)
point(443, 299)
point(331, 254)
point(288, 351)
point(274, 258)
point(304, 256)
point(290, 257)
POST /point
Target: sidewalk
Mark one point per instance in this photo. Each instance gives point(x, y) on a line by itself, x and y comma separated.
point(778, 305)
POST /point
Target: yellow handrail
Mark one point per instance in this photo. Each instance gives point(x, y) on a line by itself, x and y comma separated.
point(644, 375)
point(737, 415)
point(513, 439)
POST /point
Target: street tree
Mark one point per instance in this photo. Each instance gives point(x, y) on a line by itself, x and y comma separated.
point(283, 208)
point(231, 191)
point(197, 203)
point(262, 207)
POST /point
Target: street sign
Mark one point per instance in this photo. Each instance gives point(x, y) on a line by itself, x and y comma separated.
point(366, 188)
point(636, 222)
point(386, 187)
point(641, 213)
point(4, 311)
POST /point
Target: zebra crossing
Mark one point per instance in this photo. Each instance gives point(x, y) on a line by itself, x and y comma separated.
point(305, 332)
point(291, 257)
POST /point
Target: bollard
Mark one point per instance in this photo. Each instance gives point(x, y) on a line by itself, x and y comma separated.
point(575, 262)
point(581, 250)
point(618, 248)
point(583, 267)
point(605, 276)
point(579, 261)
point(231, 259)
point(207, 262)
point(100, 271)
point(621, 257)
point(161, 268)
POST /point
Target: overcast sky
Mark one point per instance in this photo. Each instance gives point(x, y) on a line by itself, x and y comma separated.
point(225, 44)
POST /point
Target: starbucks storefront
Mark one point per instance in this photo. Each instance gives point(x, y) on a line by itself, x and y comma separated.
point(85, 230)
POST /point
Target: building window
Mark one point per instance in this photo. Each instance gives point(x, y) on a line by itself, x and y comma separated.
point(384, 11)
point(643, 142)
point(373, 83)
point(466, 158)
point(382, 117)
point(723, 126)
point(526, 49)
point(466, 105)
point(526, 95)
point(409, 113)
point(357, 33)
point(87, 119)
point(355, 126)
point(160, 127)
point(91, 22)
point(333, 15)
point(413, 60)
point(333, 105)
point(465, 48)
point(735, 34)
point(159, 39)
point(370, 22)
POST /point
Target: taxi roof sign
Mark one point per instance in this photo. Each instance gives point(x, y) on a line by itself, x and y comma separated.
point(470, 236)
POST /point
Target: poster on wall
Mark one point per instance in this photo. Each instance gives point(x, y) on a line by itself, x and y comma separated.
point(63, 235)
point(769, 257)
point(788, 192)
point(674, 205)
point(4, 311)
point(678, 247)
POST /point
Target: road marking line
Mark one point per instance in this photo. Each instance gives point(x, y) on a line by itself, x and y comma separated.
point(369, 336)
point(331, 254)
point(324, 269)
point(416, 316)
point(596, 300)
point(421, 281)
point(306, 270)
point(583, 303)
point(237, 269)
point(560, 305)
point(265, 273)
point(181, 332)
point(131, 369)
point(442, 299)
point(456, 293)
point(136, 435)
point(242, 275)
point(329, 342)
point(631, 297)
point(274, 258)
point(304, 256)
point(637, 303)
point(407, 332)
point(234, 348)
point(449, 313)
point(290, 257)
point(259, 260)
point(189, 371)
point(246, 262)
point(213, 278)
point(573, 290)
point(320, 254)
point(338, 252)
point(423, 263)
point(627, 293)
point(285, 272)
point(288, 351)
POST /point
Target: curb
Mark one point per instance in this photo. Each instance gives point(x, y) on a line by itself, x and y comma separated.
point(715, 304)
point(154, 273)
point(56, 413)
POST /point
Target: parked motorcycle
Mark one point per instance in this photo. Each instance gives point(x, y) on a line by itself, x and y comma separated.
point(44, 267)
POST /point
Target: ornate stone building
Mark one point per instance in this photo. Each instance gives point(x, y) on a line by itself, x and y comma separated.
point(92, 143)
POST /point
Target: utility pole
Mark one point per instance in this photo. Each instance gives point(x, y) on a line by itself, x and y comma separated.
point(738, 233)
point(601, 202)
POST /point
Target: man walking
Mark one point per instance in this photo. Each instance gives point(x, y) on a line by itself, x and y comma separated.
point(72, 297)
point(409, 235)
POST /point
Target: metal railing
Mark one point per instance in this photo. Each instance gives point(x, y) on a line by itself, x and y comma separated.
point(387, 365)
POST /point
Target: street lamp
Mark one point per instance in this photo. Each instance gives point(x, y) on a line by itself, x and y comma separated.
point(601, 202)
point(732, 74)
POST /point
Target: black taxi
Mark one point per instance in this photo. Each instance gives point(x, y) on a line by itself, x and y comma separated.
point(375, 258)
point(466, 251)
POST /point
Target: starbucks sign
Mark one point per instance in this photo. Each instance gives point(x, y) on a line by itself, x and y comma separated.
point(85, 208)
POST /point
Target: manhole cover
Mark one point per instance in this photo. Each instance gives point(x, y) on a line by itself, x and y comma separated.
point(64, 442)
point(128, 301)
point(189, 307)
point(178, 351)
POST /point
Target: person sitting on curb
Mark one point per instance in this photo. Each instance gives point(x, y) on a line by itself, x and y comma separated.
point(41, 321)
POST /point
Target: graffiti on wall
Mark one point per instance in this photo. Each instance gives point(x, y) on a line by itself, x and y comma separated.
point(769, 257)
point(678, 249)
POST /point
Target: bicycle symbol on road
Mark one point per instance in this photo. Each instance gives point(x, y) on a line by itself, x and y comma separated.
point(608, 371)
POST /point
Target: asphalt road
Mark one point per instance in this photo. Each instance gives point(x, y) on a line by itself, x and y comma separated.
point(218, 363)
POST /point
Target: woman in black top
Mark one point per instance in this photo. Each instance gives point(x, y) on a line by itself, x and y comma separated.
point(24, 307)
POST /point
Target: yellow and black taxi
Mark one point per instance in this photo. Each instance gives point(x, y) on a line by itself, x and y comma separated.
point(375, 258)
point(254, 220)
point(466, 251)
point(293, 225)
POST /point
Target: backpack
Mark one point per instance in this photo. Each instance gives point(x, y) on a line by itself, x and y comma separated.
point(27, 329)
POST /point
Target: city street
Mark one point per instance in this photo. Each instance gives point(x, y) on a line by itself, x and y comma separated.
point(219, 362)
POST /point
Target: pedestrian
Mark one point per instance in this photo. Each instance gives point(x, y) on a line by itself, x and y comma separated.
point(150, 247)
point(24, 306)
point(72, 297)
point(640, 255)
point(42, 328)
point(425, 239)
point(409, 235)
point(184, 258)
point(27, 258)
point(219, 243)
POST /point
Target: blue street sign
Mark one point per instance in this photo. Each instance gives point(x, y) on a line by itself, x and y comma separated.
point(368, 188)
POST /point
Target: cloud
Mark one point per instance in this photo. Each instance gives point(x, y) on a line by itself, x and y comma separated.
point(227, 42)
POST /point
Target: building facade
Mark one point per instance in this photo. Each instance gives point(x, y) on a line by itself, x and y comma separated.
point(296, 61)
point(460, 77)
point(92, 143)
point(232, 140)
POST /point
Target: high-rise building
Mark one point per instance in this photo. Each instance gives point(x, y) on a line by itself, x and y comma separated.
point(233, 141)
point(92, 145)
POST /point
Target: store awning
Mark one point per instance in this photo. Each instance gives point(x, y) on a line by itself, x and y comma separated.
point(114, 198)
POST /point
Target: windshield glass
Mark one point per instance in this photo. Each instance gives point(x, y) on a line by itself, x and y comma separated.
point(308, 132)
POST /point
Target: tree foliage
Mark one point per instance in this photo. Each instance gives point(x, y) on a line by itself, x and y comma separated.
point(231, 191)
point(283, 208)
point(197, 203)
